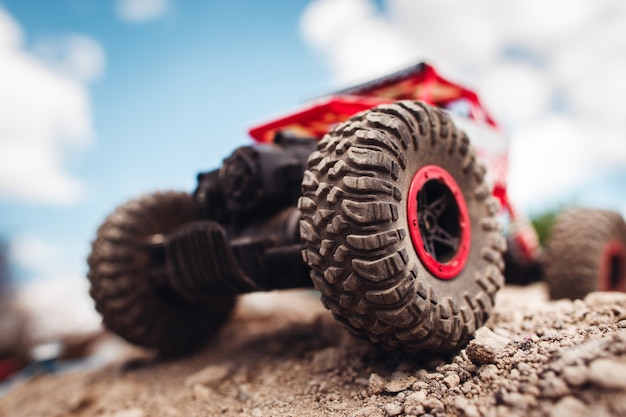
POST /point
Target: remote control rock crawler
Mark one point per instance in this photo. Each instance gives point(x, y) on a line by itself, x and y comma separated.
point(373, 195)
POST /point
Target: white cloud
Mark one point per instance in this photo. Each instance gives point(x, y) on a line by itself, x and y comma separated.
point(58, 308)
point(542, 152)
point(79, 57)
point(553, 72)
point(137, 11)
point(518, 102)
point(448, 33)
point(10, 32)
point(45, 112)
point(357, 43)
point(43, 258)
point(34, 253)
point(56, 300)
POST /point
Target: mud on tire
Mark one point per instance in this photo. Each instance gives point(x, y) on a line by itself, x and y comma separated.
point(586, 252)
point(358, 243)
point(138, 310)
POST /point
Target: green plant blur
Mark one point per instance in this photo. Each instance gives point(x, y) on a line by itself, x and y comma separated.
point(543, 222)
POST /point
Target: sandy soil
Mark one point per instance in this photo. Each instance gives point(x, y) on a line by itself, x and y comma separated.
point(283, 355)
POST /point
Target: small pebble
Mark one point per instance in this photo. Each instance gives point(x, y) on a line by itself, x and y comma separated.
point(393, 409)
point(605, 297)
point(415, 398)
point(519, 401)
point(414, 410)
point(452, 380)
point(485, 347)
point(432, 403)
point(131, 412)
point(575, 376)
point(419, 385)
point(553, 387)
point(200, 392)
point(608, 373)
point(400, 384)
point(371, 411)
point(488, 372)
point(376, 384)
point(209, 375)
point(465, 408)
point(570, 407)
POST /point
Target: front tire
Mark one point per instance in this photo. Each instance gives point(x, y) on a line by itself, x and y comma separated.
point(387, 272)
point(586, 252)
point(132, 306)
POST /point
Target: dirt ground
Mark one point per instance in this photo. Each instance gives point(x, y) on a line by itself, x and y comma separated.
point(283, 355)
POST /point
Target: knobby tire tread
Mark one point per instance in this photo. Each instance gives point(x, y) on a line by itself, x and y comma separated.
point(140, 311)
point(355, 229)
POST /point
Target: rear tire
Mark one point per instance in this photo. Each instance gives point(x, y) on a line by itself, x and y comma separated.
point(586, 252)
point(359, 228)
point(143, 312)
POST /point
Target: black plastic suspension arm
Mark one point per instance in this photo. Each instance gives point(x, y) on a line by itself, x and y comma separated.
point(247, 236)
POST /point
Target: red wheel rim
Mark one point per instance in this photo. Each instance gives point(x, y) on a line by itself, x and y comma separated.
point(612, 267)
point(439, 222)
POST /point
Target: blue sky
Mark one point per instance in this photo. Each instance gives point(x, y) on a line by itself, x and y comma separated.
point(175, 97)
point(143, 94)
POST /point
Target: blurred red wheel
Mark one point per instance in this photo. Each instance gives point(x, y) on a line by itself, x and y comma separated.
point(586, 252)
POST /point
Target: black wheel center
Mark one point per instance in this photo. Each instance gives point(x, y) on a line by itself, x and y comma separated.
point(428, 221)
point(438, 219)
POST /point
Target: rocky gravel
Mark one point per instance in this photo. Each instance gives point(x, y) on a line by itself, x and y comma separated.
point(283, 355)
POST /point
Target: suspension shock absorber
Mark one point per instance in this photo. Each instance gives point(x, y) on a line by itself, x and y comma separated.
point(246, 237)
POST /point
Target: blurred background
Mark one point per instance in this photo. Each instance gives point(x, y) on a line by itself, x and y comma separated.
point(101, 101)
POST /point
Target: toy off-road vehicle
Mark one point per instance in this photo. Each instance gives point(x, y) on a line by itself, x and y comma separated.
point(375, 196)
